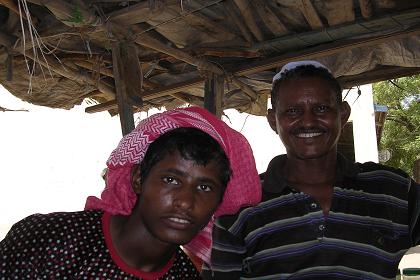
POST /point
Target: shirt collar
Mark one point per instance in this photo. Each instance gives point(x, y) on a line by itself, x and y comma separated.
point(274, 181)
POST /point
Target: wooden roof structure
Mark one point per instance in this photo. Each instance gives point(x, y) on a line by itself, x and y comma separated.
point(219, 54)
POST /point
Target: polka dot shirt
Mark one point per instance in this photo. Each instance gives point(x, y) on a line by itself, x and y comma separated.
point(73, 245)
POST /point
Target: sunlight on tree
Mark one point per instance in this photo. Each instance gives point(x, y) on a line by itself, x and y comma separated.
point(401, 134)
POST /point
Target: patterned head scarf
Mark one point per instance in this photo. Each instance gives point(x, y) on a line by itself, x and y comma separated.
point(243, 188)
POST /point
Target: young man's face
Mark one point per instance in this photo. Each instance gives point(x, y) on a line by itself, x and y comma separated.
point(308, 118)
point(178, 198)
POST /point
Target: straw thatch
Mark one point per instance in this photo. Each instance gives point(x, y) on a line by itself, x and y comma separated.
point(57, 53)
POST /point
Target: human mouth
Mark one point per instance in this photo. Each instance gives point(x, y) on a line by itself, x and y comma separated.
point(308, 134)
point(179, 220)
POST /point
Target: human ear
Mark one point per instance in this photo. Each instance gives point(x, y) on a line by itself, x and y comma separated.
point(135, 179)
point(271, 118)
point(345, 111)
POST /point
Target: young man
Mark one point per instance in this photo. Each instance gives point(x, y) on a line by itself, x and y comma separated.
point(322, 216)
point(164, 182)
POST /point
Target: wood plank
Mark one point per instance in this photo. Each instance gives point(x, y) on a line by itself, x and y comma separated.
point(213, 93)
point(310, 13)
point(245, 8)
point(338, 12)
point(269, 18)
point(231, 12)
point(204, 24)
point(124, 86)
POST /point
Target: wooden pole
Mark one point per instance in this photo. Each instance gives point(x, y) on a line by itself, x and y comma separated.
point(123, 84)
point(416, 170)
point(213, 93)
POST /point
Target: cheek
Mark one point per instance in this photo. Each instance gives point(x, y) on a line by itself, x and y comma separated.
point(207, 206)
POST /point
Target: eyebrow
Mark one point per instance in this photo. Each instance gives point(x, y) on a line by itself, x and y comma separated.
point(180, 173)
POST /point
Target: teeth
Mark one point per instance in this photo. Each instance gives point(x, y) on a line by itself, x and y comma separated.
point(309, 134)
point(178, 220)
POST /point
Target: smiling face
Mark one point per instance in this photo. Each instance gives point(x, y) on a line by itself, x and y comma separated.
point(178, 198)
point(308, 118)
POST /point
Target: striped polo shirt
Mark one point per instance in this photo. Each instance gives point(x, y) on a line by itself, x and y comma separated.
point(371, 224)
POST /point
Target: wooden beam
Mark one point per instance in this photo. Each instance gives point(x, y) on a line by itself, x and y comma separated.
point(149, 42)
point(63, 11)
point(124, 85)
point(230, 11)
point(94, 67)
point(245, 7)
point(203, 24)
point(321, 51)
point(416, 171)
point(149, 95)
point(377, 75)
point(309, 12)
point(269, 18)
point(270, 63)
point(138, 13)
point(213, 94)
point(245, 88)
point(366, 8)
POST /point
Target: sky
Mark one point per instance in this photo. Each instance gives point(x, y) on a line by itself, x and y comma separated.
point(52, 159)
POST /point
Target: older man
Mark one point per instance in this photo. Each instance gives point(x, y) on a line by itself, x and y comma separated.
point(322, 216)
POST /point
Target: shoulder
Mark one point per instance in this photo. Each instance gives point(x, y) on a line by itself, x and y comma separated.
point(53, 224)
point(183, 267)
point(380, 172)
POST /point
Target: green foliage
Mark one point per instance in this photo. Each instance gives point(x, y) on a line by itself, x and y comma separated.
point(401, 134)
point(76, 16)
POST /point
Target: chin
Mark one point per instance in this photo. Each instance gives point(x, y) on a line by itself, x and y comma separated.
point(176, 239)
point(310, 155)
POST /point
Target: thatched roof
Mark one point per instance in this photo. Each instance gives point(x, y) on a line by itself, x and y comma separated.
point(178, 44)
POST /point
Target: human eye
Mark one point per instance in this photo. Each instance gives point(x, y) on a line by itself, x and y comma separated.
point(170, 180)
point(205, 188)
point(292, 111)
point(321, 109)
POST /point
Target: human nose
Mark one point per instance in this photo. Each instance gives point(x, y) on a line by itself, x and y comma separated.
point(184, 198)
point(308, 118)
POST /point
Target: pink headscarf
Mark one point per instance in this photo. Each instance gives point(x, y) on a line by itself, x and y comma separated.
point(243, 188)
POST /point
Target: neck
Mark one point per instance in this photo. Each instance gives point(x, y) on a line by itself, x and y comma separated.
point(136, 246)
point(311, 171)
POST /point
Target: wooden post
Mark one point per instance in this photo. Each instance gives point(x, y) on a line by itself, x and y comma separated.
point(128, 82)
point(416, 170)
point(213, 93)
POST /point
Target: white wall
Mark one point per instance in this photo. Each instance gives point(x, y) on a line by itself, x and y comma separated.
point(363, 117)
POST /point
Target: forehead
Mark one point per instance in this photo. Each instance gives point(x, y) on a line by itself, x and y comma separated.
point(175, 160)
point(306, 89)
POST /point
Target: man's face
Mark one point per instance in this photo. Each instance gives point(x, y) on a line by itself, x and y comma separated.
point(308, 118)
point(178, 198)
